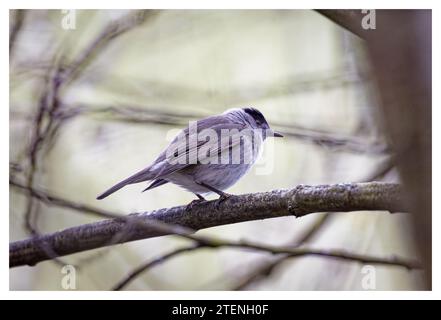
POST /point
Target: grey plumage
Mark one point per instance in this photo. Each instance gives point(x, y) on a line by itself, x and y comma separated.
point(205, 175)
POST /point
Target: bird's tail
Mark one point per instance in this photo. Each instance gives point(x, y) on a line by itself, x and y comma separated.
point(140, 176)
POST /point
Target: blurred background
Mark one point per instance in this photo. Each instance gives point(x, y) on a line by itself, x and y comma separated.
point(135, 78)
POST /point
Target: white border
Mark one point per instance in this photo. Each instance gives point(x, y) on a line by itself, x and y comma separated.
point(194, 295)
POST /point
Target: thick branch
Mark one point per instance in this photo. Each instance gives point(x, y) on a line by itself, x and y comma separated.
point(297, 202)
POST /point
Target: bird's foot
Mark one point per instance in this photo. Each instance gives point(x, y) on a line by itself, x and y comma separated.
point(224, 196)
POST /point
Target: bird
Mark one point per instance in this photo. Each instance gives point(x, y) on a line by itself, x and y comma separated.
point(208, 156)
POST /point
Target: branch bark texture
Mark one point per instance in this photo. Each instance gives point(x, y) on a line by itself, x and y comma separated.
point(297, 202)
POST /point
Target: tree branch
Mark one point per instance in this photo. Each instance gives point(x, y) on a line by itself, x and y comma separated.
point(265, 269)
point(288, 251)
point(112, 31)
point(18, 19)
point(142, 115)
point(297, 202)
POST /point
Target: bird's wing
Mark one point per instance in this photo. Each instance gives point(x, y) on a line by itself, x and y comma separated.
point(182, 154)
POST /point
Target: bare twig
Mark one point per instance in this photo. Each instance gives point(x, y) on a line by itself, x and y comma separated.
point(19, 16)
point(288, 251)
point(265, 269)
point(113, 30)
point(292, 85)
point(44, 121)
point(142, 115)
point(51, 199)
point(144, 267)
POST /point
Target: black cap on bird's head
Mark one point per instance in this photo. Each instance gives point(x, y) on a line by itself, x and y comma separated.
point(261, 121)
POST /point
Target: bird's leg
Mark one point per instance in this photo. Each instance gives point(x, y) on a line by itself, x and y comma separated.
point(222, 195)
point(219, 192)
point(200, 197)
point(196, 201)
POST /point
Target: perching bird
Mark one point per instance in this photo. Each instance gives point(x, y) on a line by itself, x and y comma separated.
point(223, 149)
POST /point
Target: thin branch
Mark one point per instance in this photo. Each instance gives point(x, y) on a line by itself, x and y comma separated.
point(297, 202)
point(266, 268)
point(142, 115)
point(51, 199)
point(144, 267)
point(289, 252)
point(185, 94)
point(19, 16)
point(43, 123)
point(113, 30)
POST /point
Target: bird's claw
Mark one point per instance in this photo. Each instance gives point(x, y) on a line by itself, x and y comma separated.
point(221, 199)
point(190, 206)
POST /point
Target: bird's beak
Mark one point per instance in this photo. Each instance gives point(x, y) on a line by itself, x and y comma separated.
point(274, 134)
